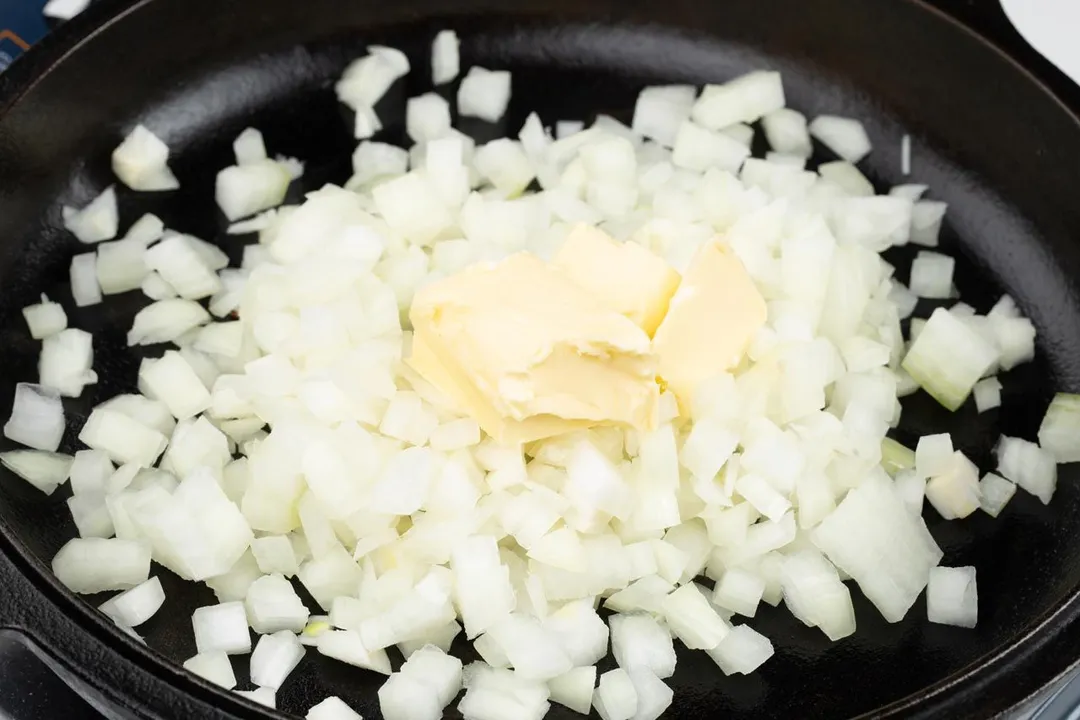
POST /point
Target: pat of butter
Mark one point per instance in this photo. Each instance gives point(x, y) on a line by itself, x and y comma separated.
point(530, 354)
point(624, 276)
point(710, 321)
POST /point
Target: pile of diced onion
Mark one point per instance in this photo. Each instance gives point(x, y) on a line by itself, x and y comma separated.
point(279, 440)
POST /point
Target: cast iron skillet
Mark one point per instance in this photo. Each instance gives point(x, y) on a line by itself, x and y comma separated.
point(989, 139)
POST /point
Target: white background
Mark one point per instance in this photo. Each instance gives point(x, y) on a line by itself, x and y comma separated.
point(1052, 27)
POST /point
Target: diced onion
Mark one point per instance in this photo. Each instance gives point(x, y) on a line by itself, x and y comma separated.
point(37, 417)
point(141, 162)
point(952, 597)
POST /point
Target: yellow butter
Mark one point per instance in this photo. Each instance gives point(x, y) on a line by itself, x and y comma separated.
point(625, 277)
point(710, 321)
point(530, 354)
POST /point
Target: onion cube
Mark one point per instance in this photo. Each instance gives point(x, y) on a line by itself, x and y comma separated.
point(844, 136)
point(641, 641)
point(99, 220)
point(445, 62)
point(37, 417)
point(699, 149)
point(761, 495)
point(133, 607)
point(91, 516)
point(366, 80)
point(659, 111)
point(878, 542)
point(407, 697)
point(742, 100)
point(166, 321)
point(484, 94)
point(171, 380)
point(535, 652)
point(952, 597)
point(1058, 431)
point(84, 283)
point(243, 190)
point(653, 695)
point(427, 117)
point(274, 554)
point(45, 318)
point(89, 471)
point(44, 470)
point(332, 708)
point(90, 565)
point(1027, 465)
point(275, 656)
point(264, 696)
point(933, 454)
point(739, 591)
point(436, 669)
point(615, 697)
point(214, 667)
point(955, 493)
point(995, 492)
point(987, 394)
point(141, 162)
point(932, 275)
point(743, 651)
point(221, 628)
point(183, 265)
point(948, 358)
point(814, 594)
point(346, 646)
point(786, 132)
point(66, 361)
point(574, 689)
point(692, 619)
point(273, 605)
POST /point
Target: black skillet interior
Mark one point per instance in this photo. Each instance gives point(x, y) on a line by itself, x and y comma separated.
point(987, 139)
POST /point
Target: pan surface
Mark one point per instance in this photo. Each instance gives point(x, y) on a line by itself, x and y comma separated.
point(988, 139)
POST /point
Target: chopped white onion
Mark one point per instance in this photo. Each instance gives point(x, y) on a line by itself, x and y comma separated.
point(98, 221)
point(37, 417)
point(141, 162)
point(66, 361)
point(222, 628)
point(1058, 431)
point(742, 100)
point(1027, 465)
point(214, 667)
point(445, 63)
point(44, 470)
point(45, 318)
point(264, 696)
point(948, 358)
point(133, 607)
point(952, 597)
point(332, 708)
point(91, 565)
point(844, 136)
point(484, 94)
point(987, 394)
point(84, 283)
point(274, 658)
point(995, 492)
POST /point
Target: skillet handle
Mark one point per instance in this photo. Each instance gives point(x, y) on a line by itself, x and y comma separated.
point(34, 683)
point(1061, 703)
point(33, 689)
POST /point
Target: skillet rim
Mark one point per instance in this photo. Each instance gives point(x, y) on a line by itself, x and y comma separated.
point(1030, 650)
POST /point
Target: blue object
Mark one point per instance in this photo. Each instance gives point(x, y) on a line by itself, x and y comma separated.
point(21, 25)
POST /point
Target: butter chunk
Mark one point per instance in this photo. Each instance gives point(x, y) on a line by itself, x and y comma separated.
point(710, 321)
point(530, 354)
point(625, 277)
